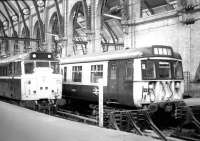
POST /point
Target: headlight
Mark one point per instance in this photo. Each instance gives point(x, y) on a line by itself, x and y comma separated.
point(151, 86)
point(177, 85)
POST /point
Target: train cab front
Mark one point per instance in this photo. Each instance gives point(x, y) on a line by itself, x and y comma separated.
point(161, 88)
point(42, 81)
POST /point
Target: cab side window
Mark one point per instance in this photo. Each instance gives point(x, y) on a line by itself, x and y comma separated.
point(29, 66)
point(17, 68)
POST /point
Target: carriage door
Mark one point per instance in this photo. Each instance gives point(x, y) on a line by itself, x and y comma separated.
point(120, 82)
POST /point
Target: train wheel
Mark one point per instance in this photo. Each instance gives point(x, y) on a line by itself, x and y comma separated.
point(153, 108)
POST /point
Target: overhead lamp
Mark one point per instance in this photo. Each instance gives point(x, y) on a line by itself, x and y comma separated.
point(40, 3)
point(5, 23)
point(26, 11)
point(14, 18)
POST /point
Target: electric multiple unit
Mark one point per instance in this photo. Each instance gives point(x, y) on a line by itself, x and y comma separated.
point(132, 77)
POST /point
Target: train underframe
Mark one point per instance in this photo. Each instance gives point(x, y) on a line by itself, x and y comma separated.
point(48, 106)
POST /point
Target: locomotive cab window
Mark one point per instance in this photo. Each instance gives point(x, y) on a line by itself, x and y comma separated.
point(148, 69)
point(164, 70)
point(29, 66)
point(42, 64)
point(55, 66)
point(17, 68)
point(96, 73)
point(77, 73)
point(178, 70)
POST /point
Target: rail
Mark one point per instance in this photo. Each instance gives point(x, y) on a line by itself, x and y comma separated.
point(77, 117)
point(134, 120)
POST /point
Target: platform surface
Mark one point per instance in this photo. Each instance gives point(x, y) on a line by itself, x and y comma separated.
point(192, 101)
point(20, 124)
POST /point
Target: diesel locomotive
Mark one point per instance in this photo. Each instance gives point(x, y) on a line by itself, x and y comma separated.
point(31, 77)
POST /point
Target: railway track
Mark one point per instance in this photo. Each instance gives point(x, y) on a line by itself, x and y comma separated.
point(137, 121)
point(76, 117)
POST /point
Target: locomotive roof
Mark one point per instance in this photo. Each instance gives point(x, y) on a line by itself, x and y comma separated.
point(121, 54)
point(18, 57)
point(14, 58)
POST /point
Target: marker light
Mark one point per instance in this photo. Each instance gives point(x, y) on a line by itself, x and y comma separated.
point(177, 85)
point(34, 55)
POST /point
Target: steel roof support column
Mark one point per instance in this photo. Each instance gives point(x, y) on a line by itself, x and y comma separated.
point(10, 18)
point(86, 15)
point(41, 26)
point(25, 25)
point(13, 9)
point(2, 28)
point(113, 36)
point(74, 20)
point(135, 11)
point(4, 17)
point(22, 15)
point(27, 6)
point(11, 49)
point(65, 25)
point(60, 19)
point(98, 20)
point(1, 42)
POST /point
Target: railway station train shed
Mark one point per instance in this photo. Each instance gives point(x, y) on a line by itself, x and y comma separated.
point(139, 51)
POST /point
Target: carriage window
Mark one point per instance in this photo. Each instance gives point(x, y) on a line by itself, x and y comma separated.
point(129, 71)
point(3, 71)
point(29, 67)
point(164, 70)
point(96, 73)
point(42, 64)
point(17, 68)
point(148, 69)
point(77, 73)
point(178, 70)
point(65, 74)
point(11, 68)
point(55, 67)
point(113, 72)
